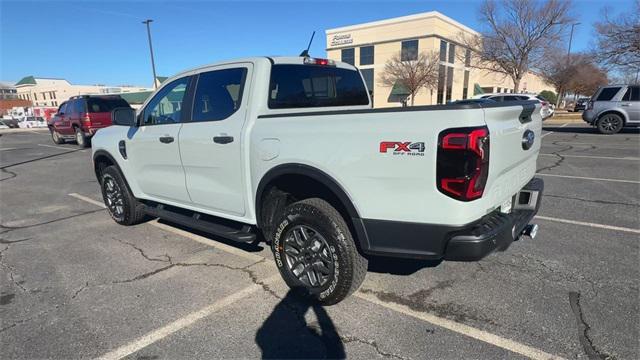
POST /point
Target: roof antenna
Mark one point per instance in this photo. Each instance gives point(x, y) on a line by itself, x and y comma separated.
point(305, 53)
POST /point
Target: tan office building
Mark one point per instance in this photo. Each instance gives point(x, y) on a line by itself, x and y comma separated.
point(370, 45)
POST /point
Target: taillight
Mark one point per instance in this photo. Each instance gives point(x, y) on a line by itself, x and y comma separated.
point(463, 162)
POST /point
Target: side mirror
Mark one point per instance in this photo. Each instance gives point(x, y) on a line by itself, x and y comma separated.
point(123, 116)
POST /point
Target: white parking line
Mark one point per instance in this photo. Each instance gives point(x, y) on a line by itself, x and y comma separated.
point(463, 329)
point(5, 149)
point(589, 178)
point(551, 132)
point(194, 237)
point(63, 147)
point(631, 158)
point(177, 325)
point(607, 145)
point(594, 225)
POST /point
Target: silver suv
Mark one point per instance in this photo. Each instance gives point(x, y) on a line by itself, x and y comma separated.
point(613, 107)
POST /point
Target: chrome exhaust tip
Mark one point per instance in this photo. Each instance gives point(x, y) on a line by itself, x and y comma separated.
point(530, 230)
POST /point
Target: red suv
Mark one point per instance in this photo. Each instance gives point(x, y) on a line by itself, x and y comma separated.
point(81, 116)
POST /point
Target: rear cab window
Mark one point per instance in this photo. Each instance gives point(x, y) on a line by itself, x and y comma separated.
point(105, 104)
point(606, 94)
point(305, 86)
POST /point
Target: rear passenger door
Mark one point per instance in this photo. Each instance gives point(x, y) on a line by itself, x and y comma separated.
point(631, 103)
point(211, 142)
point(152, 147)
point(70, 115)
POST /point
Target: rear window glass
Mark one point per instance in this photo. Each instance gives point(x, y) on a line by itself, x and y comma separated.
point(105, 104)
point(607, 93)
point(300, 86)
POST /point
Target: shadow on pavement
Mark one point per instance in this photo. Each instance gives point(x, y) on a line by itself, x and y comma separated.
point(399, 266)
point(285, 334)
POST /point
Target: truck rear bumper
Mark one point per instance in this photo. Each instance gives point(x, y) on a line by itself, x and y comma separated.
point(493, 232)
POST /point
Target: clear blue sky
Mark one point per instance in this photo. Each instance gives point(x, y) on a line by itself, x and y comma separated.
point(104, 42)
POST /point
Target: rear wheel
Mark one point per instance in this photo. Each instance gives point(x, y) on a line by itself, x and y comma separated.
point(123, 207)
point(81, 139)
point(315, 252)
point(610, 124)
point(56, 137)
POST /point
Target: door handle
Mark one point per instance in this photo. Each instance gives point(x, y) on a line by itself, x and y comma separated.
point(625, 104)
point(222, 139)
point(166, 139)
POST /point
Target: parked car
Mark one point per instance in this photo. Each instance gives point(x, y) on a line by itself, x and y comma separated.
point(3, 125)
point(614, 107)
point(545, 112)
point(290, 147)
point(80, 117)
point(580, 105)
point(10, 122)
point(472, 101)
point(33, 122)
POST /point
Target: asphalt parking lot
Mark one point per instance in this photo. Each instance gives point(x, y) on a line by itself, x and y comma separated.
point(74, 284)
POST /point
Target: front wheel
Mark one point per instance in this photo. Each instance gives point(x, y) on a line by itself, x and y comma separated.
point(315, 252)
point(610, 124)
point(123, 207)
point(56, 137)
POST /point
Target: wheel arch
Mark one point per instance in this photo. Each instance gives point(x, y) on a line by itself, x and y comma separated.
point(615, 112)
point(102, 159)
point(317, 184)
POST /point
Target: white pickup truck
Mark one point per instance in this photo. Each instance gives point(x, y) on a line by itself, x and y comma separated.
point(289, 150)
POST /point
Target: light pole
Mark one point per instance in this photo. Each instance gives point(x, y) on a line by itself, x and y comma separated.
point(571, 38)
point(153, 64)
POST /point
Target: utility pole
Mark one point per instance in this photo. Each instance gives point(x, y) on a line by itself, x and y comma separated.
point(153, 64)
point(568, 59)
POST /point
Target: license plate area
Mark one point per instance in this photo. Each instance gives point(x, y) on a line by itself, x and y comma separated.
point(526, 200)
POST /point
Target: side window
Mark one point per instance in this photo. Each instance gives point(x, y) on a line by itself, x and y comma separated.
point(635, 94)
point(218, 94)
point(166, 106)
point(627, 94)
point(607, 93)
point(63, 108)
point(71, 107)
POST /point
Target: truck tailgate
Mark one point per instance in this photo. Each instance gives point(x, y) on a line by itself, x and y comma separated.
point(512, 155)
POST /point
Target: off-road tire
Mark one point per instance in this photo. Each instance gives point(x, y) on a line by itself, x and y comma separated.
point(55, 137)
point(81, 139)
point(349, 266)
point(132, 210)
point(610, 124)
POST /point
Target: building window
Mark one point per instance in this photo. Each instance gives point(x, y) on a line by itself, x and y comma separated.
point(44, 96)
point(367, 74)
point(366, 55)
point(35, 96)
point(465, 86)
point(449, 83)
point(443, 50)
point(452, 53)
point(409, 50)
point(349, 56)
point(441, 79)
point(467, 58)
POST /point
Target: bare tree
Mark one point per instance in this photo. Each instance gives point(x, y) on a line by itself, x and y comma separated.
point(412, 74)
point(587, 78)
point(618, 40)
point(515, 34)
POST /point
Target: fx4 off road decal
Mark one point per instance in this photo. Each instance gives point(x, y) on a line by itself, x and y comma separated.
point(407, 148)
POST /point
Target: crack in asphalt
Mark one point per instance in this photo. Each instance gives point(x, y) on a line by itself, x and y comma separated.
point(415, 301)
point(586, 341)
point(8, 228)
point(591, 200)
point(38, 159)
point(349, 338)
point(11, 174)
point(560, 157)
point(81, 289)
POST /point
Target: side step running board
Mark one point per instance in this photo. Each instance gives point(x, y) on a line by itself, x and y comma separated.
point(202, 222)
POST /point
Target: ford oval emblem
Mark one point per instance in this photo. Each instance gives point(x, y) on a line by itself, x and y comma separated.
point(527, 139)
